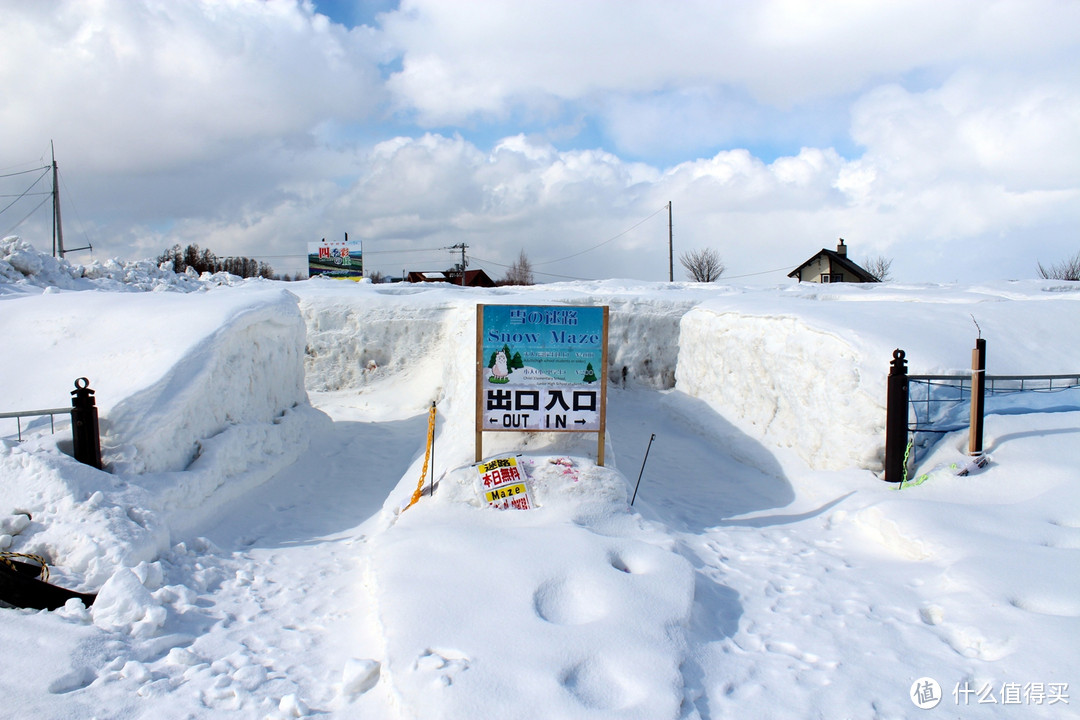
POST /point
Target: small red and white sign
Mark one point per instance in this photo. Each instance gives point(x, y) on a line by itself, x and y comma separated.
point(504, 484)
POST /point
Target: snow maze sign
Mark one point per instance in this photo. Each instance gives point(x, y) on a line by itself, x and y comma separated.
point(540, 368)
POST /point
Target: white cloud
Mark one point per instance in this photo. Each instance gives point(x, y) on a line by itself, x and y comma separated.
point(435, 191)
point(136, 86)
point(1002, 129)
point(466, 58)
point(252, 127)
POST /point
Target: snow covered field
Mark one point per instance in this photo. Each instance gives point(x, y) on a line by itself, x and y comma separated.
point(261, 439)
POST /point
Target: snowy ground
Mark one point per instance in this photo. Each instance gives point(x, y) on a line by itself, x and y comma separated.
point(253, 560)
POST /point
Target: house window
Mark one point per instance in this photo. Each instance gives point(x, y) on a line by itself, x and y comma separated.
point(832, 278)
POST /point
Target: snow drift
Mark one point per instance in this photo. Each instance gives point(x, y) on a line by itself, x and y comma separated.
point(253, 559)
point(806, 367)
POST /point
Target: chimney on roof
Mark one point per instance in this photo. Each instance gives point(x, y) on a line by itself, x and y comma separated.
point(841, 249)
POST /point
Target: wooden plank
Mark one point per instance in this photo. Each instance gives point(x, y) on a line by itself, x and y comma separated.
point(478, 376)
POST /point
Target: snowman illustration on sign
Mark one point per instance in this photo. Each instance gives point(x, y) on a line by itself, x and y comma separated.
point(499, 372)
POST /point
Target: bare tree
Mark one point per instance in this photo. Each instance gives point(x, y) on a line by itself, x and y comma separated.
point(879, 267)
point(376, 277)
point(520, 273)
point(206, 261)
point(1064, 270)
point(702, 265)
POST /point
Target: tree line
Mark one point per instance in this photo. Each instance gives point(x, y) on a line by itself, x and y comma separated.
point(203, 260)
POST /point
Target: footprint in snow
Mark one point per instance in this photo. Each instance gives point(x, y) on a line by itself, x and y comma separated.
point(443, 664)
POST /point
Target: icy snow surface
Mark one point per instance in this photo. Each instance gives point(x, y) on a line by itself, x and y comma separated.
point(252, 557)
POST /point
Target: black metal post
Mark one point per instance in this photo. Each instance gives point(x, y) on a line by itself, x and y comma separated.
point(978, 396)
point(896, 419)
point(84, 424)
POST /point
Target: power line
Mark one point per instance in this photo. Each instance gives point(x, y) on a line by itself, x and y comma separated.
point(399, 252)
point(24, 194)
point(23, 172)
point(616, 237)
point(534, 272)
point(571, 277)
point(763, 272)
point(25, 217)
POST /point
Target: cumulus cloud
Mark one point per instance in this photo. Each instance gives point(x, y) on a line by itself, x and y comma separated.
point(1003, 128)
point(413, 198)
point(152, 85)
point(461, 59)
point(940, 135)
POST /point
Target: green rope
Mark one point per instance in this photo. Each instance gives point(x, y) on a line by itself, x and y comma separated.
point(907, 452)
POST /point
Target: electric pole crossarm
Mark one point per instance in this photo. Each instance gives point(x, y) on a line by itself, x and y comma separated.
point(464, 262)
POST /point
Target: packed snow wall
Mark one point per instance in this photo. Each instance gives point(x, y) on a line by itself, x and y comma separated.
point(807, 365)
point(358, 335)
point(247, 370)
point(801, 386)
point(200, 397)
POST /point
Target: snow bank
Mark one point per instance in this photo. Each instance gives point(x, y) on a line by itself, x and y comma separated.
point(359, 335)
point(576, 608)
point(311, 600)
point(201, 398)
point(168, 371)
point(803, 367)
point(25, 270)
point(391, 350)
point(248, 371)
point(807, 366)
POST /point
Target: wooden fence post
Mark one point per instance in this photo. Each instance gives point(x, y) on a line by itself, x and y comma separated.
point(978, 393)
point(896, 419)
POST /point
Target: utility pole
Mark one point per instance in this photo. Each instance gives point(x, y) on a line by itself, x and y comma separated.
point(464, 262)
point(58, 227)
point(670, 263)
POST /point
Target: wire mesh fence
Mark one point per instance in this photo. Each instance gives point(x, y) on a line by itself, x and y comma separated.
point(940, 404)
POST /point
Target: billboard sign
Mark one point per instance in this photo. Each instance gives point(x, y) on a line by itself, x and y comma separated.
point(336, 259)
point(541, 368)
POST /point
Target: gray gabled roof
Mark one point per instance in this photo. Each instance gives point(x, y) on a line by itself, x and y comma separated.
point(836, 259)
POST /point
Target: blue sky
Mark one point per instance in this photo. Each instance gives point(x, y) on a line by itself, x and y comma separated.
point(351, 13)
point(945, 136)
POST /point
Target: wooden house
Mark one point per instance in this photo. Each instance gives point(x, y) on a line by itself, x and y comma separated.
point(473, 278)
point(831, 267)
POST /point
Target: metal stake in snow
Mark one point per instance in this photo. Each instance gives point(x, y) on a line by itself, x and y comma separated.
point(638, 484)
